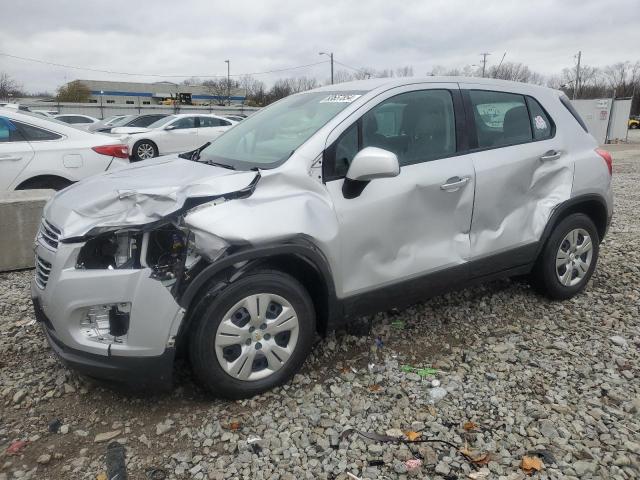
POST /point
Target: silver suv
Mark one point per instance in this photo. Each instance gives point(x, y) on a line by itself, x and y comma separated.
point(325, 206)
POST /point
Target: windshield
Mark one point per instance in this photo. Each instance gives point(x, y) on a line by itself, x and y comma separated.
point(162, 121)
point(270, 136)
point(118, 122)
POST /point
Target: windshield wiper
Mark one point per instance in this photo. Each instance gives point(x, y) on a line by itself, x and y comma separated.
point(194, 154)
point(223, 165)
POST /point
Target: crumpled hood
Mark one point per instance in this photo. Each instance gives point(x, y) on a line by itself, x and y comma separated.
point(142, 193)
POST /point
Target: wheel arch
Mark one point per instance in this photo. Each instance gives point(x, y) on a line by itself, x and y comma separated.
point(298, 258)
point(25, 184)
point(592, 205)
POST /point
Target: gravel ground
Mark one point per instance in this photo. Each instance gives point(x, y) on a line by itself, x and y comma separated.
point(520, 376)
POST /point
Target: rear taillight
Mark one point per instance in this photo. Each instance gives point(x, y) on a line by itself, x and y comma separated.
point(608, 159)
point(120, 151)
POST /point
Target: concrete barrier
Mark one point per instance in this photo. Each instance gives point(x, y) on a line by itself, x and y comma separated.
point(20, 216)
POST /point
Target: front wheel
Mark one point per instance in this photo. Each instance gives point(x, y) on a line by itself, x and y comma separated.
point(144, 149)
point(568, 259)
point(253, 336)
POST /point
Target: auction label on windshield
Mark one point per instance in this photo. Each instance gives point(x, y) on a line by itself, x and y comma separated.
point(339, 98)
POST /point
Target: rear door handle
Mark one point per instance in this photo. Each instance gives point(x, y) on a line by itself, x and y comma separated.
point(454, 183)
point(550, 155)
point(11, 158)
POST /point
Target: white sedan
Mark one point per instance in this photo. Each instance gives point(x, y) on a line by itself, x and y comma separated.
point(172, 134)
point(36, 152)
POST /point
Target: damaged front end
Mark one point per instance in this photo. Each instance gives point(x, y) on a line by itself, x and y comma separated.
point(109, 306)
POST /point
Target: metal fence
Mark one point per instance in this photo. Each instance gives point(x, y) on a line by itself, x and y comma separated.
point(106, 110)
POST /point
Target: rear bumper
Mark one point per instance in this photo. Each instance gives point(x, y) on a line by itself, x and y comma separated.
point(138, 373)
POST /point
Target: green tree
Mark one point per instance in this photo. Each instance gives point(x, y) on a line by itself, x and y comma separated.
point(75, 91)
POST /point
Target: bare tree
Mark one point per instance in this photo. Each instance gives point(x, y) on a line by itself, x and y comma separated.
point(191, 81)
point(341, 76)
point(254, 91)
point(219, 88)
point(9, 87)
point(75, 91)
point(406, 71)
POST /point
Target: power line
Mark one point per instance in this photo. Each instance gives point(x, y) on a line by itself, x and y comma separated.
point(44, 62)
point(352, 68)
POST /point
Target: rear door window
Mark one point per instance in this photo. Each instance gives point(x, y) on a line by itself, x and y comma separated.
point(501, 118)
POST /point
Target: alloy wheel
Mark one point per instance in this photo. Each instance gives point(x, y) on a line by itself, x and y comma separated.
point(145, 151)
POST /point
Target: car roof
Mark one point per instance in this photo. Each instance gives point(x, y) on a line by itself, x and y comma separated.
point(49, 123)
point(387, 83)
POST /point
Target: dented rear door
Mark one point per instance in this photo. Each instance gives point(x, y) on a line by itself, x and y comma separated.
point(519, 180)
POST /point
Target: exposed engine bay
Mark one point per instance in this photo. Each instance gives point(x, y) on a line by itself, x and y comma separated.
point(167, 250)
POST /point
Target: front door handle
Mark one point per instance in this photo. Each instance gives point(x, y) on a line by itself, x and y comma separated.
point(454, 183)
point(550, 155)
point(11, 158)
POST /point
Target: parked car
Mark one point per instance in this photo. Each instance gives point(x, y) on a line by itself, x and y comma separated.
point(45, 113)
point(634, 122)
point(79, 121)
point(39, 153)
point(235, 118)
point(143, 120)
point(106, 123)
point(172, 134)
point(327, 205)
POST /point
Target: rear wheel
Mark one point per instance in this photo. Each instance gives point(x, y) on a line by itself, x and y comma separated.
point(144, 149)
point(568, 259)
point(253, 336)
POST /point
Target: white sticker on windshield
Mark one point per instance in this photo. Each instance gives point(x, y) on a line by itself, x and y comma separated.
point(339, 98)
point(540, 123)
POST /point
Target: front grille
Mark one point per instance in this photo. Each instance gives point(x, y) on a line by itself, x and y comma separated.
point(49, 234)
point(43, 269)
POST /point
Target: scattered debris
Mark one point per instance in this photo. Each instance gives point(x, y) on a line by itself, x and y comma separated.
point(435, 383)
point(54, 425)
point(423, 372)
point(44, 459)
point(102, 476)
point(477, 458)
point(16, 447)
point(470, 426)
point(233, 426)
point(413, 465)
point(351, 475)
point(116, 463)
point(399, 324)
point(412, 436)
point(546, 456)
point(531, 465)
point(106, 436)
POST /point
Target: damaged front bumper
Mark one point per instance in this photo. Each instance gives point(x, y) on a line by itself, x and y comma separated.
point(65, 298)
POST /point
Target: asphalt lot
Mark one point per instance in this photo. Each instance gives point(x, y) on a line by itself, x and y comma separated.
point(521, 376)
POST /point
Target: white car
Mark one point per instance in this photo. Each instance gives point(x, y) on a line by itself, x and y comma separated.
point(172, 134)
point(45, 113)
point(36, 152)
point(79, 121)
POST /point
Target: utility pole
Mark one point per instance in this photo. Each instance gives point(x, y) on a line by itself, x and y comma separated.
point(484, 62)
point(228, 82)
point(576, 84)
point(330, 55)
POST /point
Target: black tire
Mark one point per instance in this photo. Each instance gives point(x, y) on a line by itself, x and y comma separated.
point(544, 276)
point(204, 360)
point(150, 146)
point(47, 182)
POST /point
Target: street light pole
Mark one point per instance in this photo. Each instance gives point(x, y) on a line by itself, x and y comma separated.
point(228, 82)
point(330, 55)
point(101, 107)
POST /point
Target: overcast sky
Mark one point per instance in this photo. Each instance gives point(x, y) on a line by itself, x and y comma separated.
point(194, 37)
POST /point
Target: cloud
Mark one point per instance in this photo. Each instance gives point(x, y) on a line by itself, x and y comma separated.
point(194, 37)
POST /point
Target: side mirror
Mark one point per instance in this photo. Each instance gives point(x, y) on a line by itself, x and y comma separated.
point(170, 127)
point(371, 163)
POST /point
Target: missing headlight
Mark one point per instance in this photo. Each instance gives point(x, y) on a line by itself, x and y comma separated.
point(111, 251)
point(169, 252)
